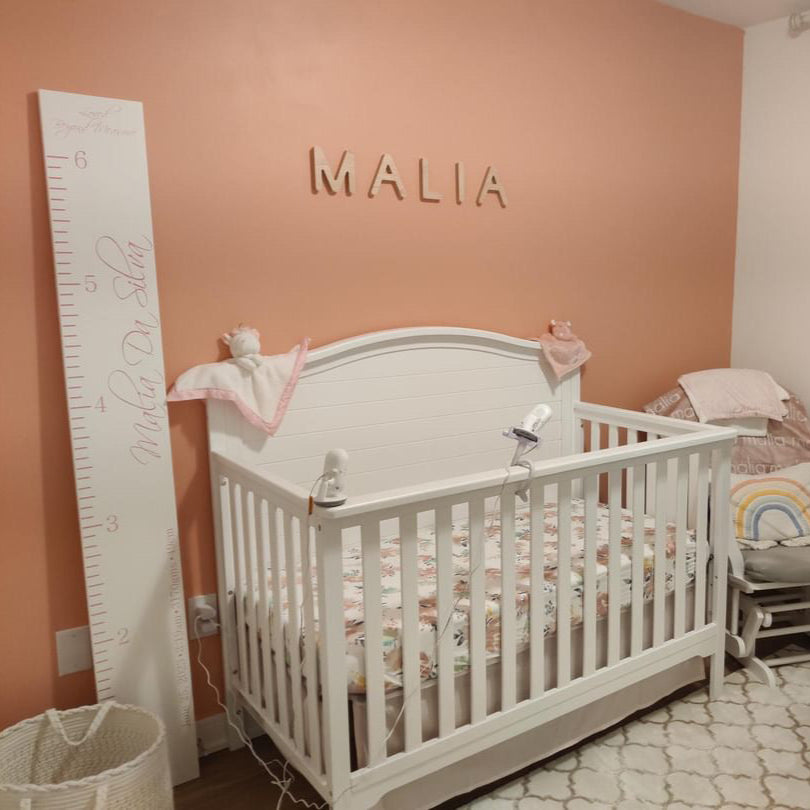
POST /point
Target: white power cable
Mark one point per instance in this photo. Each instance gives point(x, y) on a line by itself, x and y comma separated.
point(283, 783)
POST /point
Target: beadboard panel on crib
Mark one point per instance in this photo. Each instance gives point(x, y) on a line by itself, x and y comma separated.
point(409, 405)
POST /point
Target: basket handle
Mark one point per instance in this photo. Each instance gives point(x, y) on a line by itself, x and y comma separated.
point(56, 722)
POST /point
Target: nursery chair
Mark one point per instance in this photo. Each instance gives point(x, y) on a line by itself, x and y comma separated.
point(767, 585)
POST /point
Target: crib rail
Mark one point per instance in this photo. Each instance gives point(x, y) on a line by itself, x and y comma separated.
point(529, 659)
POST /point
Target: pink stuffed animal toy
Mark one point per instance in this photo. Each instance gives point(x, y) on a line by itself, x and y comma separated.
point(243, 341)
point(563, 349)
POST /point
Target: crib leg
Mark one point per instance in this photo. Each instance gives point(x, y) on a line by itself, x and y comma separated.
point(237, 715)
point(343, 803)
point(717, 674)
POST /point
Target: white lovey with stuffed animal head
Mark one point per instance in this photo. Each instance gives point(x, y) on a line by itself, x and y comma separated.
point(243, 341)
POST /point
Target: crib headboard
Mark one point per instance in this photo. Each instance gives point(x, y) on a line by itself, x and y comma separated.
point(409, 405)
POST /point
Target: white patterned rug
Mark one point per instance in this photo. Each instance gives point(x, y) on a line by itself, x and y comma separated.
point(749, 749)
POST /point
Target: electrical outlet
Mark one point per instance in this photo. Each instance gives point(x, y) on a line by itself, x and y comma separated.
point(73, 651)
point(201, 606)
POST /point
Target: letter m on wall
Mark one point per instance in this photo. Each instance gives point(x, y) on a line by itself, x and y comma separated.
point(322, 176)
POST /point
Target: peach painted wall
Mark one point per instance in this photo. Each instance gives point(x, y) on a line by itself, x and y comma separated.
point(614, 124)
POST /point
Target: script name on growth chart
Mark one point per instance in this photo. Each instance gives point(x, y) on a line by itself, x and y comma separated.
point(139, 385)
point(346, 178)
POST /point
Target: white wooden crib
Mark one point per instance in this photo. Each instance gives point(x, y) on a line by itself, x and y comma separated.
point(421, 413)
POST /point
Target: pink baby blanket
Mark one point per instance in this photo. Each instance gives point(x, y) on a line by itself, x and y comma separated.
point(563, 350)
point(261, 394)
point(732, 393)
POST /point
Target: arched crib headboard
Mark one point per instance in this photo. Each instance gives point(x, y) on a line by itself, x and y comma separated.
point(409, 405)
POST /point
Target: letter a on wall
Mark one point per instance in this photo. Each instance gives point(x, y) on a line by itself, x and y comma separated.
point(387, 173)
point(491, 185)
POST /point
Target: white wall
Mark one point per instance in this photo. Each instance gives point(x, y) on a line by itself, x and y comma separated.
point(771, 326)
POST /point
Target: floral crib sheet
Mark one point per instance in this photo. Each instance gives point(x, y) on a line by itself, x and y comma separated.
point(459, 625)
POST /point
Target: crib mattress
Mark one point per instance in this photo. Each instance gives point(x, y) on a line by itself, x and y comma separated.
point(459, 625)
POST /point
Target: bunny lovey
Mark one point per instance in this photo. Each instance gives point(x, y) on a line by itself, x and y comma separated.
point(243, 342)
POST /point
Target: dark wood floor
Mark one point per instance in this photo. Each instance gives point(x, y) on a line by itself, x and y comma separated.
point(233, 780)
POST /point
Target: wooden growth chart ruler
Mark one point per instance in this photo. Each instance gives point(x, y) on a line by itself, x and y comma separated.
point(101, 228)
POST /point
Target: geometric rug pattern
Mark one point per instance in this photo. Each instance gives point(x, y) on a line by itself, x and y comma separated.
point(750, 749)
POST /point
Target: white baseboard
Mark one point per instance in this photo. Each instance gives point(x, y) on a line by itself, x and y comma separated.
point(212, 733)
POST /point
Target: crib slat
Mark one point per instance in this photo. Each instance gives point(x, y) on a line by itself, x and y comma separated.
point(701, 538)
point(294, 631)
point(411, 679)
point(637, 593)
point(478, 651)
point(576, 486)
point(589, 579)
point(680, 545)
point(537, 595)
point(660, 560)
point(564, 582)
point(632, 438)
point(310, 647)
point(651, 481)
point(508, 603)
point(613, 436)
point(614, 566)
point(250, 518)
point(237, 518)
point(372, 615)
point(277, 624)
point(596, 436)
point(263, 548)
point(444, 611)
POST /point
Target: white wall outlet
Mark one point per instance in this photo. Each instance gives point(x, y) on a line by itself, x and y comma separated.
point(73, 651)
point(208, 624)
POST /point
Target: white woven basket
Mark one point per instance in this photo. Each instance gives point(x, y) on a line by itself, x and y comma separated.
point(107, 757)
